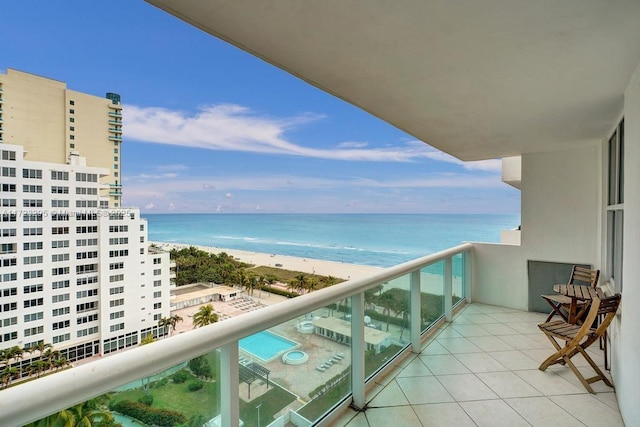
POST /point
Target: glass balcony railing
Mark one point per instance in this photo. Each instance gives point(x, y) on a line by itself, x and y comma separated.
point(115, 138)
point(115, 130)
point(299, 361)
point(115, 114)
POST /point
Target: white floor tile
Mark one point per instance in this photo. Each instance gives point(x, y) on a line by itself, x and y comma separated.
point(459, 345)
point(493, 413)
point(466, 387)
point(508, 384)
point(480, 362)
point(542, 412)
point(422, 390)
point(589, 410)
point(444, 364)
point(443, 414)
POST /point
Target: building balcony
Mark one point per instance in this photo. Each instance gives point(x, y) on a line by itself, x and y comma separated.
point(115, 122)
point(115, 193)
point(115, 138)
point(115, 114)
point(425, 355)
point(115, 130)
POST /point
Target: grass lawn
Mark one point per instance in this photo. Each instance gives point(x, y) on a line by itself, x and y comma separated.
point(177, 397)
point(272, 402)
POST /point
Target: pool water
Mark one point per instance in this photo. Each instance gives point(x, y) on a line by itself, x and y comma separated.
point(266, 345)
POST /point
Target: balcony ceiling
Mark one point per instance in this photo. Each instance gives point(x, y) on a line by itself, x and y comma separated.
point(476, 79)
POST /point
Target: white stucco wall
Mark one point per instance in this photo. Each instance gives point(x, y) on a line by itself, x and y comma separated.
point(624, 332)
point(561, 205)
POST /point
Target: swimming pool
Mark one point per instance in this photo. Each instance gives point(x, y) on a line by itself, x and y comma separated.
point(266, 345)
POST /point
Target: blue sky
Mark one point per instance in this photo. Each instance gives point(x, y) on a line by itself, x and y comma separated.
point(209, 128)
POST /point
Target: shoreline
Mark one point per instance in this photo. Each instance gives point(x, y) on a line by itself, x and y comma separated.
point(336, 269)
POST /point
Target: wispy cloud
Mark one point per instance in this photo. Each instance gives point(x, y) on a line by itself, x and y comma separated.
point(232, 127)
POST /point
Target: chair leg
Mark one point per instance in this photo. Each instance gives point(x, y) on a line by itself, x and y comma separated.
point(556, 308)
point(599, 374)
point(578, 374)
point(557, 357)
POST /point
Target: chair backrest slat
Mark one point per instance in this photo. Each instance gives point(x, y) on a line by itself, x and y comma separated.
point(608, 307)
point(584, 275)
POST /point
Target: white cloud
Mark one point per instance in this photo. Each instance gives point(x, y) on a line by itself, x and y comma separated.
point(229, 196)
point(148, 176)
point(353, 144)
point(149, 206)
point(235, 128)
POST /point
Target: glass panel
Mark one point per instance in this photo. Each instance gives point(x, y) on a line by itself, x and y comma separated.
point(387, 313)
point(173, 397)
point(617, 250)
point(319, 370)
point(613, 169)
point(458, 279)
point(621, 163)
point(432, 294)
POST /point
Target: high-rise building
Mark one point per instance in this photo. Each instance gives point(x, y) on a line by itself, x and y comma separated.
point(74, 272)
point(52, 123)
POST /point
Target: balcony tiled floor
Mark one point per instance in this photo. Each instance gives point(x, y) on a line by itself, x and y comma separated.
point(482, 370)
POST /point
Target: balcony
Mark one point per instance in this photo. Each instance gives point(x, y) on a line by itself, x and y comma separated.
point(115, 130)
point(115, 138)
point(351, 348)
point(115, 114)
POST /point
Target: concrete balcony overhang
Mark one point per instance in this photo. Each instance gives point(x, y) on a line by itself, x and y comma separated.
point(477, 80)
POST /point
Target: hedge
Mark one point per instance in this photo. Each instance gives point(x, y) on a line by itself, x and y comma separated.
point(151, 416)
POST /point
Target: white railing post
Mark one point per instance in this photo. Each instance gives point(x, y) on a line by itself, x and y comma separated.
point(448, 289)
point(358, 348)
point(229, 385)
point(415, 305)
point(468, 274)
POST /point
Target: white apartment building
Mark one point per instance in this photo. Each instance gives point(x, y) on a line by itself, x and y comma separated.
point(73, 272)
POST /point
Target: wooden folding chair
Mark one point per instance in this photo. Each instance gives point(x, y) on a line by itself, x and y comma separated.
point(560, 303)
point(578, 338)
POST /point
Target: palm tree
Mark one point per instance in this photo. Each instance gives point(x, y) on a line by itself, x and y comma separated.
point(174, 319)
point(37, 368)
point(164, 323)
point(252, 283)
point(60, 363)
point(85, 414)
point(241, 275)
point(8, 374)
point(204, 316)
point(387, 301)
point(301, 283)
point(40, 347)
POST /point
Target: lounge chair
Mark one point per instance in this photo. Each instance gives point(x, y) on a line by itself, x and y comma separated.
point(320, 368)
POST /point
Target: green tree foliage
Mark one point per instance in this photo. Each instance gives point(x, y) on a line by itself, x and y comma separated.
point(148, 415)
point(195, 385)
point(180, 376)
point(200, 367)
point(194, 265)
point(204, 316)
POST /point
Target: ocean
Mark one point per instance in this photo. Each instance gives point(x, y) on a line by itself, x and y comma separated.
point(380, 240)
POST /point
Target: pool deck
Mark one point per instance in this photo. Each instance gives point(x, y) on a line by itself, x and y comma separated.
point(318, 349)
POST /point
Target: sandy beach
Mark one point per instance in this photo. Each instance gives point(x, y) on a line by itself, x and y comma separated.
point(305, 265)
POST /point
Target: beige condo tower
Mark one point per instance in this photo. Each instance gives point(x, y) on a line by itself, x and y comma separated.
point(53, 123)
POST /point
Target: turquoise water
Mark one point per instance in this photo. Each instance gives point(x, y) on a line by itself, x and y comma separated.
point(380, 240)
point(266, 345)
